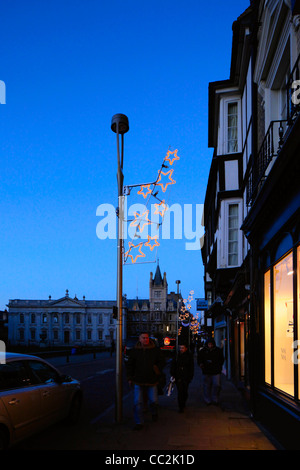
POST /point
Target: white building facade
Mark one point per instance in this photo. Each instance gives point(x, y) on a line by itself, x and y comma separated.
point(63, 322)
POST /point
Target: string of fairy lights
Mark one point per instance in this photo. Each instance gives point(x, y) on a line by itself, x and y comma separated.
point(186, 318)
point(138, 250)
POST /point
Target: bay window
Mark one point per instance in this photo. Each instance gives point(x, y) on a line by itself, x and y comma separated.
point(232, 127)
point(233, 234)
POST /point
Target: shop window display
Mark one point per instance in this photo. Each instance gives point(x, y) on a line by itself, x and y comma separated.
point(283, 323)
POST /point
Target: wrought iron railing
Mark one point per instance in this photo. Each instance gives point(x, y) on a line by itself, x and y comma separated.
point(269, 149)
point(275, 136)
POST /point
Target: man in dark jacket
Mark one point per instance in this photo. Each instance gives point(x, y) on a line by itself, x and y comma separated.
point(144, 367)
point(210, 359)
point(182, 369)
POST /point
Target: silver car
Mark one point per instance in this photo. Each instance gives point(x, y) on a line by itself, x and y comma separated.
point(33, 395)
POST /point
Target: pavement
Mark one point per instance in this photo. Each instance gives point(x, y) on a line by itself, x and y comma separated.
point(228, 426)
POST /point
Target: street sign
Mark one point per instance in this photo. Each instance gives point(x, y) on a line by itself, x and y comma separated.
point(202, 304)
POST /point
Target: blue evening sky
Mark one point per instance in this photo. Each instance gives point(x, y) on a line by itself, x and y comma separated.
point(68, 67)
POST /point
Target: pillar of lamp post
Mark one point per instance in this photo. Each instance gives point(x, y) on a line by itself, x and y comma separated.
point(119, 125)
point(177, 282)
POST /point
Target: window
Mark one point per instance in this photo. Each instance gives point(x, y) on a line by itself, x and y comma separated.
point(43, 335)
point(13, 375)
point(157, 294)
point(267, 292)
point(283, 325)
point(233, 233)
point(100, 318)
point(42, 372)
point(32, 318)
point(67, 318)
point(44, 318)
point(279, 332)
point(232, 127)
point(156, 306)
point(21, 317)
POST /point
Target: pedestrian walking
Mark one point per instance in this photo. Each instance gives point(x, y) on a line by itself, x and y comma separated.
point(144, 368)
point(182, 370)
point(210, 359)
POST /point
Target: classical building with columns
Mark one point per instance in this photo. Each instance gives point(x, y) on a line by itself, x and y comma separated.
point(63, 322)
point(79, 322)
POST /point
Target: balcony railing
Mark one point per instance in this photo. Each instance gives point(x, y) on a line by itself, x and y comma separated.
point(275, 136)
point(269, 149)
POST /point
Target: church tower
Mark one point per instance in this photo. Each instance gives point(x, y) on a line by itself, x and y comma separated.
point(158, 291)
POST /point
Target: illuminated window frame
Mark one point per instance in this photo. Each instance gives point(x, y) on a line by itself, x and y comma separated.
point(271, 342)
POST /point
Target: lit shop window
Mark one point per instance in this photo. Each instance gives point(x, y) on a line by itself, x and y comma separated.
point(268, 327)
point(283, 324)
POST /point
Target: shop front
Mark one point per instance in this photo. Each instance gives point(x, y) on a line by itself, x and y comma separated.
point(279, 394)
point(273, 230)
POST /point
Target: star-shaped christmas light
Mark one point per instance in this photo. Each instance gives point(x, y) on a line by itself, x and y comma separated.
point(164, 186)
point(161, 208)
point(140, 254)
point(147, 186)
point(167, 157)
point(149, 244)
point(138, 218)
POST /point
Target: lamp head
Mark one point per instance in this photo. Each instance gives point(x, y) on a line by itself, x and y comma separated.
point(122, 121)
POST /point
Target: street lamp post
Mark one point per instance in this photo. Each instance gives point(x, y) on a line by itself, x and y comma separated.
point(119, 125)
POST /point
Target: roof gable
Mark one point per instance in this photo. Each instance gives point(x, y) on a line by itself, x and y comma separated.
point(66, 302)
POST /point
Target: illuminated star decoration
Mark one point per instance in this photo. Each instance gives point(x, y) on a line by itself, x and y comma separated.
point(167, 157)
point(147, 186)
point(164, 208)
point(141, 219)
point(171, 181)
point(138, 218)
point(149, 244)
point(132, 246)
